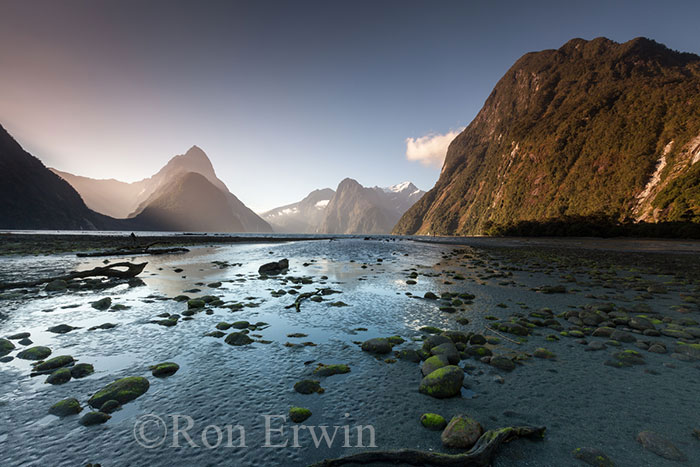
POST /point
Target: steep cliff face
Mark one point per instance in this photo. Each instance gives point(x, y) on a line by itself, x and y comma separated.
point(32, 197)
point(304, 216)
point(595, 128)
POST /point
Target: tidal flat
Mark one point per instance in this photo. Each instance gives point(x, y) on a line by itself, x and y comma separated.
point(596, 340)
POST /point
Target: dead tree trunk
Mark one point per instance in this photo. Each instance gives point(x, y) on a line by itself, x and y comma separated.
point(132, 270)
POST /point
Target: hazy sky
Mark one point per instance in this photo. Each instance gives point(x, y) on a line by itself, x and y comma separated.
point(284, 97)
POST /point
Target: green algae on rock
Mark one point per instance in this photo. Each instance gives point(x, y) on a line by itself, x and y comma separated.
point(330, 370)
point(238, 338)
point(593, 456)
point(162, 370)
point(65, 407)
point(82, 370)
point(299, 414)
point(122, 390)
point(34, 353)
point(60, 376)
point(54, 363)
point(433, 421)
point(377, 345)
point(462, 432)
point(94, 418)
point(443, 382)
point(308, 386)
point(6, 347)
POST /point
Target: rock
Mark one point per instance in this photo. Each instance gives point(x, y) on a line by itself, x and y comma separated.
point(56, 286)
point(299, 414)
point(162, 370)
point(434, 341)
point(6, 347)
point(433, 363)
point(410, 355)
point(377, 345)
point(502, 363)
point(6, 359)
point(433, 421)
point(94, 418)
point(430, 330)
point(623, 336)
point(195, 304)
point(110, 406)
point(65, 407)
point(595, 345)
point(103, 326)
point(544, 353)
point(430, 296)
point(217, 334)
point(330, 370)
point(122, 390)
point(308, 386)
point(60, 376)
point(457, 336)
point(590, 318)
point(448, 350)
point(513, 328)
point(81, 370)
point(657, 348)
point(592, 456)
point(478, 351)
point(640, 323)
point(61, 329)
point(477, 339)
point(54, 363)
point(34, 353)
point(676, 333)
point(603, 331)
point(691, 350)
point(238, 338)
point(25, 341)
point(462, 432)
point(16, 337)
point(102, 304)
point(443, 382)
point(240, 324)
point(274, 268)
point(660, 446)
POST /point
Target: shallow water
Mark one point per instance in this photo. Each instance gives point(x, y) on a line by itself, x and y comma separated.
point(581, 401)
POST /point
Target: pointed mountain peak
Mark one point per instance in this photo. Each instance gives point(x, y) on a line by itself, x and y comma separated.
point(400, 187)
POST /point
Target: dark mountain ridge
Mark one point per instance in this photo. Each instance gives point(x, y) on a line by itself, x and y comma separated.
point(593, 130)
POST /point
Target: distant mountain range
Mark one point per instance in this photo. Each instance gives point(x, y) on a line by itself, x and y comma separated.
point(184, 195)
point(594, 132)
point(351, 209)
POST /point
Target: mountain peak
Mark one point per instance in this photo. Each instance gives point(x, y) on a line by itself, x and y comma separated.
point(400, 187)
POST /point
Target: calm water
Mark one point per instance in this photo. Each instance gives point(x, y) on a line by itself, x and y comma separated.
point(580, 400)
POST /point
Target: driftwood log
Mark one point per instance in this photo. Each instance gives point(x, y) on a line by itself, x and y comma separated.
point(128, 251)
point(301, 298)
point(480, 455)
point(132, 270)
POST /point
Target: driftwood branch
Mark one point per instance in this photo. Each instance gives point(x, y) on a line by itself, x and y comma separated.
point(301, 298)
point(501, 335)
point(480, 455)
point(132, 270)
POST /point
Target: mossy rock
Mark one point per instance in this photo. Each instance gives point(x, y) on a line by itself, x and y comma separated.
point(238, 338)
point(216, 334)
point(34, 353)
point(58, 285)
point(65, 407)
point(223, 326)
point(240, 324)
point(395, 340)
point(195, 303)
point(433, 421)
point(308, 386)
point(443, 382)
point(430, 296)
point(122, 390)
point(62, 328)
point(431, 330)
point(299, 414)
point(102, 304)
point(181, 298)
point(54, 363)
point(691, 350)
point(433, 363)
point(409, 355)
point(377, 345)
point(94, 418)
point(330, 370)
point(544, 353)
point(110, 406)
point(81, 370)
point(6, 347)
point(162, 370)
point(462, 432)
point(60, 376)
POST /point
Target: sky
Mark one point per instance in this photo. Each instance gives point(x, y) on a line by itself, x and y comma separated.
point(284, 97)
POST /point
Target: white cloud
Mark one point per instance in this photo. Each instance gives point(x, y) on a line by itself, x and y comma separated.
point(430, 149)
